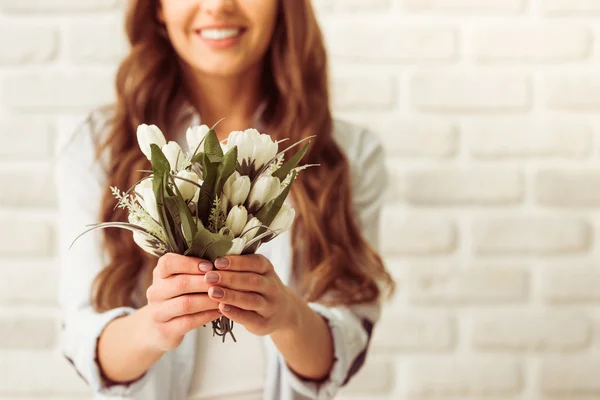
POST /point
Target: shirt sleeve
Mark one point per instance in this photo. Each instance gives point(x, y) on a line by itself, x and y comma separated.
point(80, 182)
point(351, 327)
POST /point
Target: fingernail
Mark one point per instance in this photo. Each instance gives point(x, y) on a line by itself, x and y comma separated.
point(221, 263)
point(205, 266)
point(211, 277)
point(217, 292)
point(226, 308)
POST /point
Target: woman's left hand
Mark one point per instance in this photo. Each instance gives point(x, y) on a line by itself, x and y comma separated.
point(250, 293)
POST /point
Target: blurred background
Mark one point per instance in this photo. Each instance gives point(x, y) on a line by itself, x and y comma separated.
point(490, 112)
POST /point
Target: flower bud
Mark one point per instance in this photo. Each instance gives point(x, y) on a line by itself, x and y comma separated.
point(173, 153)
point(265, 189)
point(237, 248)
point(188, 190)
point(237, 219)
point(236, 188)
point(251, 229)
point(253, 147)
point(147, 135)
point(284, 219)
point(194, 136)
point(145, 196)
point(147, 244)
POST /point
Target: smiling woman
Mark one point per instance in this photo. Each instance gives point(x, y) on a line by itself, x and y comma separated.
point(307, 304)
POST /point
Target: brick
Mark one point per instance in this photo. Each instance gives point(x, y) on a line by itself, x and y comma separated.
point(96, 41)
point(396, 191)
point(526, 138)
point(463, 377)
point(35, 6)
point(531, 234)
point(577, 92)
point(415, 235)
point(578, 188)
point(447, 186)
point(17, 277)
point(443, 92)
point(58, 91)
point(415, 332)
point(415, 138)
point(27, 187)
point(571, 6)
point(26, 43)
point(401, 44)
point(531, 331)
point(25, 237)
point(571, 283)
point(360, 92)
point(27, 332)
point(38, 372)
point(575, 375)
point(443, 284)
point(376, 377)
point(18, 146)
point(492, 6)
point(527, 43)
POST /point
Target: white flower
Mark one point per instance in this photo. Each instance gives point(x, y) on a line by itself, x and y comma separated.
point(265, 189)
point(237, 219)
point(237, 248)
point(194, 136)
point(256, 148)
point(251, 229)
point(148, 244)
point(236, 188)
point(175, 156)
point(147, 135)
point(187, 190)
point(145, 196)
point(284, 219)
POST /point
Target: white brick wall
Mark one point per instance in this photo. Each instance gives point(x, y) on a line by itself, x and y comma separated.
point(489, 114)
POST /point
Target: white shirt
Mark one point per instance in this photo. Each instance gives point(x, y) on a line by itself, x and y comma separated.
point(80, 184)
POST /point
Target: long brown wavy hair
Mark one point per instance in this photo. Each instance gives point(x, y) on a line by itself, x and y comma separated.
point(332, 261)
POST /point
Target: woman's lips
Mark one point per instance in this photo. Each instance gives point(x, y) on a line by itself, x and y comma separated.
point(221, 38)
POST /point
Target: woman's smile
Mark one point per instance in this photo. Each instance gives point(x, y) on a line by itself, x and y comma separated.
point(221, 37)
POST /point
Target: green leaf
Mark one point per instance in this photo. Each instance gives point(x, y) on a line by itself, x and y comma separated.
point(161, 170)
point(212, 147)
point(209, 245)
point(268, 213)
point(121, 225)
point(226, 168)
point(207, 195)
point(187, 221)
point(160, 164)
point(286, 168)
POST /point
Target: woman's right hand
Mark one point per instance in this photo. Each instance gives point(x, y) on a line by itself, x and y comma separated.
point(177, 300)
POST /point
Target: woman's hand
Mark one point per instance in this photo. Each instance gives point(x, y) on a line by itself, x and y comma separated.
point(177, 300)
point(251, 294)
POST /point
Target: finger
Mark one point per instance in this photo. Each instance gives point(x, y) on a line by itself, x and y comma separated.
point(243, 317)
point(176, 285)
point(244, 300)
point(184, 305)
point(244, 281)
point(186, 323)
point(171, 264)
point(248, 263)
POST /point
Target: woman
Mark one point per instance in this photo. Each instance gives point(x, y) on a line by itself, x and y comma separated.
point(305, 307)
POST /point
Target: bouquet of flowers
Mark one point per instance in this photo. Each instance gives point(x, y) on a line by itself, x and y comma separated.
point(216, 199)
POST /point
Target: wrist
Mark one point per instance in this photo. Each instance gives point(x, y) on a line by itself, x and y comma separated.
point(146, 333)
point(295, 310)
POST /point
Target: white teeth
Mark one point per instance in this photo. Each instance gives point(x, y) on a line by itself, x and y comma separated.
point(219, 34)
